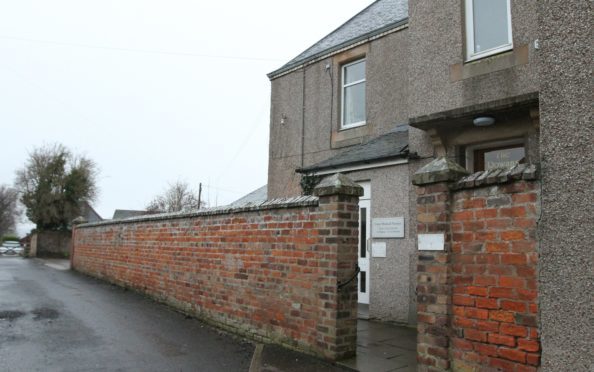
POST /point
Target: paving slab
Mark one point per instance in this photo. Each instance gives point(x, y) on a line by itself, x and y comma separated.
point(55, 263)
point(383, 347)
point(278, 359)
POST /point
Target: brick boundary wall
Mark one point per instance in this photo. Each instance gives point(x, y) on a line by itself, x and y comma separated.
point(269, 271)
point(477, 299)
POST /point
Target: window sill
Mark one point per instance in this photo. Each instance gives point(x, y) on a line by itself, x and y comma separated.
point(352, 126)
point(489, 53)
point(350, 136)
point(496, 62)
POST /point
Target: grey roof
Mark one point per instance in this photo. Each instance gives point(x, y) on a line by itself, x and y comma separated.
point(388, 146)
point(89, 213)
point(378, 17)
point(127, 213)
point(256, 196)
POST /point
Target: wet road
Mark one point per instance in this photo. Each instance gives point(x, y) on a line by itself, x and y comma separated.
point(54, 320)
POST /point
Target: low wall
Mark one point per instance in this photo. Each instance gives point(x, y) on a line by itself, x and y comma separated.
point(477, 299)
point(270, 272)
point(53, 244)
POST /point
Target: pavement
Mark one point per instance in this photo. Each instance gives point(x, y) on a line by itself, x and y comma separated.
point(278, 359)
point(55, 263)
point(384, 347)
point(54, 319)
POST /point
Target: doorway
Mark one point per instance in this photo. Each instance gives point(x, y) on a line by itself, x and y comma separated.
point(364, 243)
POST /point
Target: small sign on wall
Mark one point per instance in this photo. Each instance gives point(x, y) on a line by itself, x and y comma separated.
point(391, 227)
point(378, 249)
point(431, 242)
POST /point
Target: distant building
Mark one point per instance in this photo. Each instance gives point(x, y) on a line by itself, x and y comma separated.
point(89, 213)
point(120, 214)
point(257, 196)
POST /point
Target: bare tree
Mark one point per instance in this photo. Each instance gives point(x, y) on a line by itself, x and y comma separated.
point(8, 209)
point(53, 184)
point(178, 197)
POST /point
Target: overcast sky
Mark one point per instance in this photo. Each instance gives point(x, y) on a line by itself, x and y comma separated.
point(153, 91)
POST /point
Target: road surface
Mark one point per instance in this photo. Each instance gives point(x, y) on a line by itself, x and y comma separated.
point(58, 320)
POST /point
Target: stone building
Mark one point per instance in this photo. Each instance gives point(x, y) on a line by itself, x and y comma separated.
point(341, 106)
point(484, 86)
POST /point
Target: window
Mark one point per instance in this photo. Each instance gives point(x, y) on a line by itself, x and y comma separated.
point(502, 157)
point(353, 94)
point(502, 154)
point(488, 28)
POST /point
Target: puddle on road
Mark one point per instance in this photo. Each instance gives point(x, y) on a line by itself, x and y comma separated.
point(10, 315)
point(38, 314)
point(45, 313)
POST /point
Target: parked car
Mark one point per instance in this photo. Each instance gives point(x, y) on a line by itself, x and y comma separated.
point(11, 248)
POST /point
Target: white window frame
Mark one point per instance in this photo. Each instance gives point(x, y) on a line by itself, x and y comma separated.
point(471, 55)
point(343, 88)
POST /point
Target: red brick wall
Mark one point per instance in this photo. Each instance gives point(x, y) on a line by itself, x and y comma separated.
point(493, 272)
point(478, 298)
point(270, 274)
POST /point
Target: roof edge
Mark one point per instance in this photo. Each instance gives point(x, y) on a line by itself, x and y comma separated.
point(392, 27)
point(430, 121)
point(370, 162)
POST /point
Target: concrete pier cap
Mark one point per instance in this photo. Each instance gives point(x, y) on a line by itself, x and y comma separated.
point(338, 184)
point(441, 169)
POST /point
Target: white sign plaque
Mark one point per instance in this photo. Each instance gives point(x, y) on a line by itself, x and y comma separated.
point(392, 227)
point(431, 242)
point(378, 249)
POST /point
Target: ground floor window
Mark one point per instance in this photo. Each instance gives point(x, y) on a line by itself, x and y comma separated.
point(502, 157)
point(489, 156)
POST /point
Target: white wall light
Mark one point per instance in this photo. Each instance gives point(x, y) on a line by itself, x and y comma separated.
point(483, 121)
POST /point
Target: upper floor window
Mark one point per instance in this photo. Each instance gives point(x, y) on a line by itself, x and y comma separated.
point(353, 94)
point(488, 27)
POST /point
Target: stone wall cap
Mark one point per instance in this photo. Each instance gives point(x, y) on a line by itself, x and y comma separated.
point(526, 172)
point(338, 184)
point(79, 220)
point(441, 169)
point(280, 203)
